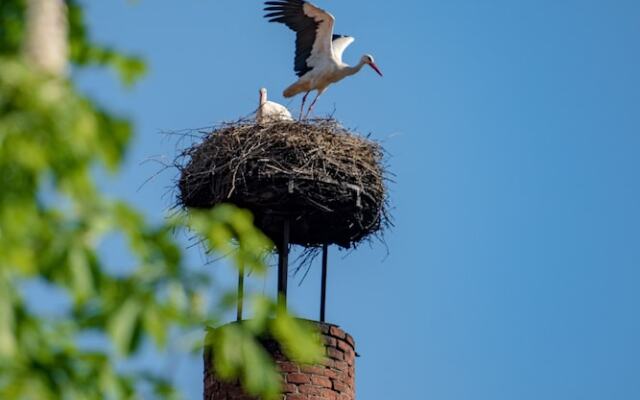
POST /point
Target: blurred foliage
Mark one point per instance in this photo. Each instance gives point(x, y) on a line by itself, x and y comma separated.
point(238, 354)
point(53, 220)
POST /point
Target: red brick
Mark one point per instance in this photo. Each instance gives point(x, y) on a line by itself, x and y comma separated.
point(310, 369)
point(328, 394)
point(297, 378)
point(335, 353)
point(337, 332)
point(344, 346)
point(298, 397)
point(350, 340)
point(290, 388)
point(327, 362)
point(341, 365)
point(321, 381)
point(310, 390)
point(288, 367)
point(349, 357)
point(329, 373)
point(325, 328)
point(341, 387)
point(330, 341)
point(341, 376)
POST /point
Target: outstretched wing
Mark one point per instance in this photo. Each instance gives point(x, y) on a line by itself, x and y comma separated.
point(340, 44)
point(313, 27)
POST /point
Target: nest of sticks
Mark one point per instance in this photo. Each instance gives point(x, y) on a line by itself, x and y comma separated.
point(328, 182)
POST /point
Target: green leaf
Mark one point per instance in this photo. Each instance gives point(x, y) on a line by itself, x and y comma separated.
point(156, 325)
point(81, 275)
point(237, 354)
point(300, 340)
point(8, 343)
point(123, 324)
point(263, 311)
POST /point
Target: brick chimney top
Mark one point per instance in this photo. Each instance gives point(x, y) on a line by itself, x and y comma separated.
point(334, 379)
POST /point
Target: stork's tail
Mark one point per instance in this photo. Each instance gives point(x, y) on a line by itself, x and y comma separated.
point(293, 90)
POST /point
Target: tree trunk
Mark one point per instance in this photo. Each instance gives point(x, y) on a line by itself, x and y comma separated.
point(46, 42)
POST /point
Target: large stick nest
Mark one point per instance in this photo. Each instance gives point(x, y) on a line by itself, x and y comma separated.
point(328, 182)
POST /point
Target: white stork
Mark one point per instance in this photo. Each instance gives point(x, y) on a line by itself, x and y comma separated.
point(269, 111)
point(318, 61)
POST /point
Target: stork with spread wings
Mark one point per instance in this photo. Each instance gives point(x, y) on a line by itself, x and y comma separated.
point(318, 61)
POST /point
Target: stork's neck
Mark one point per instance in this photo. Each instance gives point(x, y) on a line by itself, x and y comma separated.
point(352, 70)
point(263, 98)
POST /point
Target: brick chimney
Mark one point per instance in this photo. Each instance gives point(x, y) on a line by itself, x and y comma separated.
point(332, 380)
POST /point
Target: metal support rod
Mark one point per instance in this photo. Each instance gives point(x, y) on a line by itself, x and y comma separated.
point(323, 290)
point(283, 264)
point(240, 292)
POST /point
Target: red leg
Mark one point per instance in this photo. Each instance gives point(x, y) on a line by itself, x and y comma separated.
point(304, 99)
point(313, 104)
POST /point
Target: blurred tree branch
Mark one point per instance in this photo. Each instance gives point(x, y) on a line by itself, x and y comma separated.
point(47, 30)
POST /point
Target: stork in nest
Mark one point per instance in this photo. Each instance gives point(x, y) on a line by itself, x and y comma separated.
point(269, 111)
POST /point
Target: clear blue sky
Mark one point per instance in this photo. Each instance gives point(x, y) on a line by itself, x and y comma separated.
point(514, 131)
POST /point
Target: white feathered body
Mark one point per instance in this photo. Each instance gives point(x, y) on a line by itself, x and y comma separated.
point(269, 111)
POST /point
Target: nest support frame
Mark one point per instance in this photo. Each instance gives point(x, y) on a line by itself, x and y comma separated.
point(311, 183)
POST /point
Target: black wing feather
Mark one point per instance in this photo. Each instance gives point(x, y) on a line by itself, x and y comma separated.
point(291, 13)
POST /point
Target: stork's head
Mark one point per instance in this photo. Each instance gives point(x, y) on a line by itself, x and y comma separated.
point(368, 59)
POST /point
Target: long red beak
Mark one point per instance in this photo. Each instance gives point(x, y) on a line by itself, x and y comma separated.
point(375, 68)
